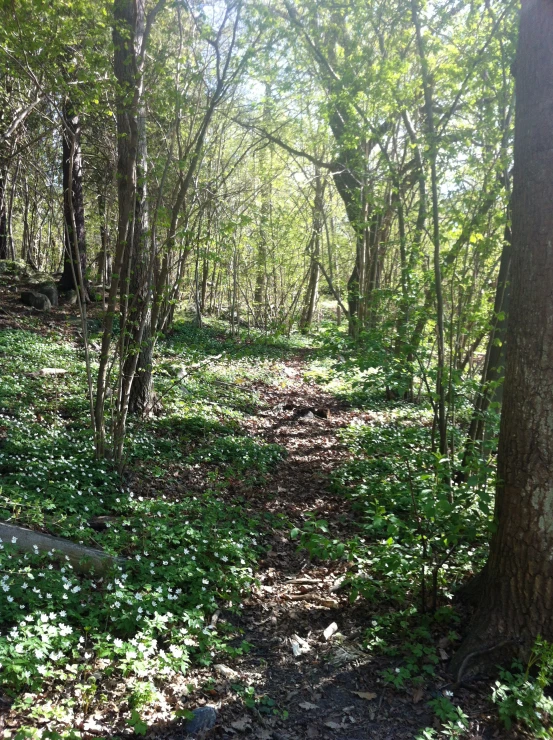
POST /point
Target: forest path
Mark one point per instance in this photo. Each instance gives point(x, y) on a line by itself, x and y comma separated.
point(304, 685)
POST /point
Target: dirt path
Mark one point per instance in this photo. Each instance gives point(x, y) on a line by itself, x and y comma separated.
point(305, 684)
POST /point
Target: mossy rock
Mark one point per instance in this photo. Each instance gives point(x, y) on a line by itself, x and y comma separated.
point(43, 278)
point(36, 300)
point(69, 297)
point(48, 289)
point(17, 268)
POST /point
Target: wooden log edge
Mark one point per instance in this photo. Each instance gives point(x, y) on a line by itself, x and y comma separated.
point(83, 559)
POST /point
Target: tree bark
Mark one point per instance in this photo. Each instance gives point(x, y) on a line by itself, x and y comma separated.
point(493, 369)
point(104, 258)
point(127, 101)
point(4, 237)
point(73, 203)
point(432, 143)
point(140, 289)
point(83, 559)
point(312, 291)
point(518, 600)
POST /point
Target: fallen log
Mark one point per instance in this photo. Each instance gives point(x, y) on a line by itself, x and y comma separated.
point(83, 559)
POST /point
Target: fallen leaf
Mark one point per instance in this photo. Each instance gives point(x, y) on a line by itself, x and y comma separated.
point(225, 671)
point(333, 725)
point(368, 695)
point(264, 734)
point(418, 694)
point(242, 724)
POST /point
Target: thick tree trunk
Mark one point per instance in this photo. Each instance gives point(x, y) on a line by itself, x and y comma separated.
point(518, 600)
point(73, 203)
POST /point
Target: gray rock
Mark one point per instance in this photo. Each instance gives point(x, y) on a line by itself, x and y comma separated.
point(49, 290)
point(69, 297)
point(43, 278)
point(95, 293)
point(36, 300)
point(204, 719)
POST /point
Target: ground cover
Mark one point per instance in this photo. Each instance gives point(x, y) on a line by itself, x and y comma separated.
point(290, 554)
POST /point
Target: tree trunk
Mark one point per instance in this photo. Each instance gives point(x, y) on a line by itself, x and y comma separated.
point(126, 73)
point(104, 266)
point(493, 371)
point(518, 600)
point(4, 237)
point(11, 244)
point(140, 289)
point(315, 254)
point(205, 276)
point(432, 143)
point(349, 190)
point(73, 203)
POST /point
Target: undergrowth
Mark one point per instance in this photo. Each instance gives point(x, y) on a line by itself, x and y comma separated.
point(67, 639)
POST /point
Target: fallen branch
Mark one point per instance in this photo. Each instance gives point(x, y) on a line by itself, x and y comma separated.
point(83, 559)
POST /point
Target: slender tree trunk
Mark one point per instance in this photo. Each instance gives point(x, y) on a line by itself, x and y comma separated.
point(75, 209)
point(260, 294)
point(495, 354)
point(432, 156)
point(104, 271)
point(14, 179)
point(4, 236)
point(517, 602)
point(315, 254)
point(126, 74)
point(349, 190)
point(205, 276)
point(25, 240)
point(139, 369)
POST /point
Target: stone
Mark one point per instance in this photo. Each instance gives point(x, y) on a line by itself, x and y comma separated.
point(204, 719)
point(12, 267)
point(53, 371)
point(36, 300)
point(43, 278)
point(225, 671)
point(96, 293)
point(49, 290)
point(69, 297)
point(330, 631)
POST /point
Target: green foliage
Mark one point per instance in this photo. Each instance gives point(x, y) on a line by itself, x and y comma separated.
point(418, 530)
point(454, 721)
point(241, 454)
point(522, 698)
point(186, 554)
point(34, 734)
